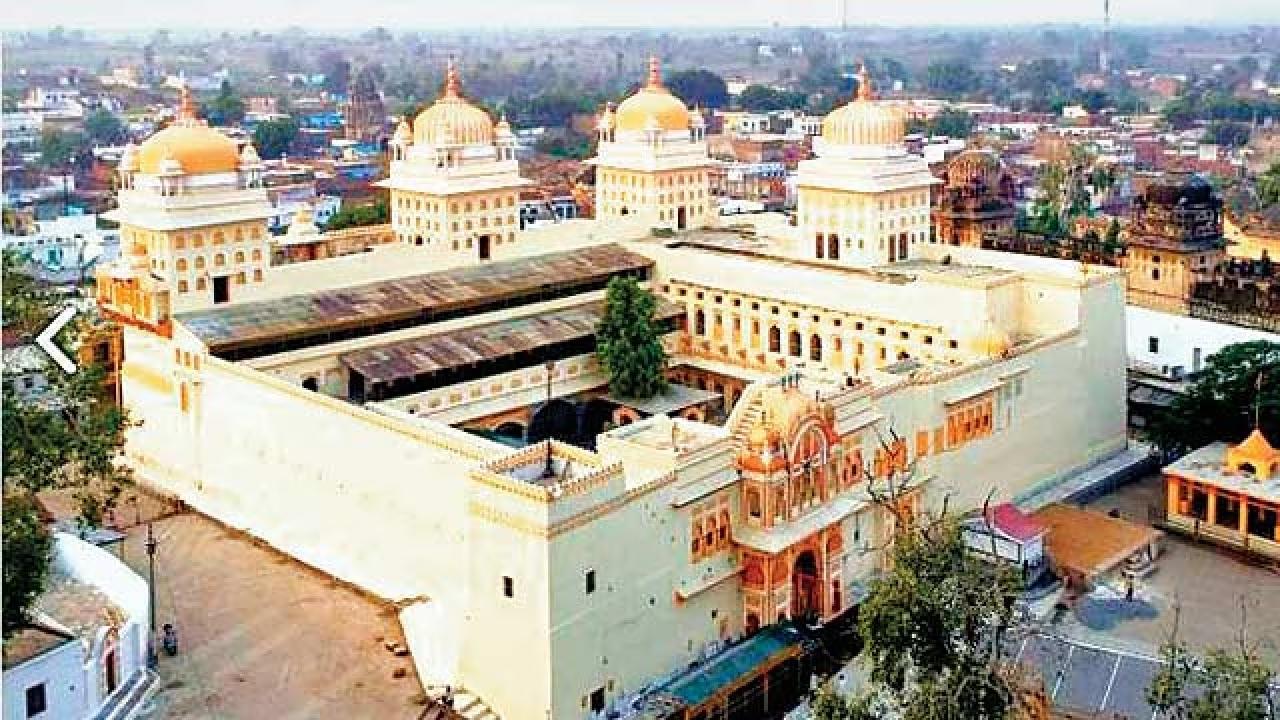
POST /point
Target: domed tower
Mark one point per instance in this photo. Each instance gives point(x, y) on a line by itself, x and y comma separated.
point(455, 181)
point(977, 199)
point(193, 222)
point(652, 159)
point(1175, 239)
point(364, 115)
point(863, 201)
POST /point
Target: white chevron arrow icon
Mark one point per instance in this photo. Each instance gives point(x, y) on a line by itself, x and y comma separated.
point(45, 340)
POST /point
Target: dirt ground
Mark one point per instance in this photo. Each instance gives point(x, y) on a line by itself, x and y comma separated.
point(262, 636)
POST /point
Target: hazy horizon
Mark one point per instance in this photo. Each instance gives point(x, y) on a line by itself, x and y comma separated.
point(409, 15)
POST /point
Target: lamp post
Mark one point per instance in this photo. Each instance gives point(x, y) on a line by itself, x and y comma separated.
point(549, 471)
point(152, 658)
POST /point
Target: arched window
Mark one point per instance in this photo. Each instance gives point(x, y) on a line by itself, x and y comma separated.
point(723, 530)
point(696, 545)
point(793, 344)
point(775, 339)
point(833, 246)
point(753, 504)
point(699, 323)
point(818, 246)
point(815, 348)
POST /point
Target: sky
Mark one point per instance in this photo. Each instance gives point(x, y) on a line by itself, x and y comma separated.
point(404, 15)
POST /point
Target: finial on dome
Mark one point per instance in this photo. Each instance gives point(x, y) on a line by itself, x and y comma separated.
point(655, 72)
point(186, 106)
point(452, 84)
point(864, 83)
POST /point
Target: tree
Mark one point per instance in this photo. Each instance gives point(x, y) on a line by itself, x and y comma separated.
point(103, 128)
point(336, 70)
point(951, 78)
point(629, 341)
point(273, 138)
point(1268, 186)
point(699, 87)
point(1239, 382)
point(1226, 685)
point(72, 440)
point(27, 547)
point(360, 216)
point(951, 123)
point(763, 99)
point(227, 107)
point(1228, 134)
point(828, 705)
point(57, 147)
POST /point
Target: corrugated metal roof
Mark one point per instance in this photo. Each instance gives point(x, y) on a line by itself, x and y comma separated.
point(467, 346)
point(231, 326)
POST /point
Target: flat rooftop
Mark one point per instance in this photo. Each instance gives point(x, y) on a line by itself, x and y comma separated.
point(472, 345)
point(331, 315)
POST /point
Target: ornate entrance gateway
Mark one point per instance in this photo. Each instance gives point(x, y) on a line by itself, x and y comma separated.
point(806, 588)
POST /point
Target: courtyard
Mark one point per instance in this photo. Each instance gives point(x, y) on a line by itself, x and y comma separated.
point(1215, 591)
point(260, 635)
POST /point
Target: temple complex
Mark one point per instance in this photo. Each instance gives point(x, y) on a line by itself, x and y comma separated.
point(427, 420)
point(1229, 494)
point(364, 115)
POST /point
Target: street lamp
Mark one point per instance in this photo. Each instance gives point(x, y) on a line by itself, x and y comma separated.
point(549, 471)
point(152, 658)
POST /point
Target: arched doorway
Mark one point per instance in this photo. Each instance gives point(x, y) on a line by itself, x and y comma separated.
point(806, 603)
point(557, 419)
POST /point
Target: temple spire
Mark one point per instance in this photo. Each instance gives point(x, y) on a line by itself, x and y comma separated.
point(186, 106)
point(864, 83)
point(655, 72)
point(452, 84)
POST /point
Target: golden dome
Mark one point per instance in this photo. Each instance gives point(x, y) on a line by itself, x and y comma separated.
point(652, 106)
point(196, 147)
point(865, 120)
point(452, 119)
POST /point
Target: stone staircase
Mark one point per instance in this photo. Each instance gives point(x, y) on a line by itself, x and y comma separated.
point(128, 701)
point(746, 413)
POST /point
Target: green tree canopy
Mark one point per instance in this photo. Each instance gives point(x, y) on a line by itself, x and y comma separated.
point(103, 128)
point(273, 138)
point(763, 99)
point(951, 78)
point(1224, 685)
point(360, 215)
point(629, 341)
point(1237, 381)
point(1268, 186)
point(57, 147)
point(227, 107)
point(71, 439)
point(699, 87)
point(27, 547)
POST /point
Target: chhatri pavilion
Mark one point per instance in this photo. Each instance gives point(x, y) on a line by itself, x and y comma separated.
point(428, 421)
